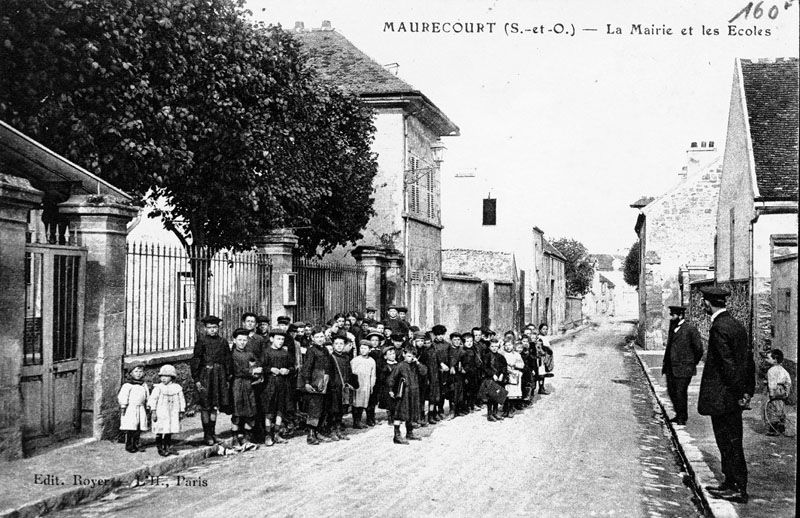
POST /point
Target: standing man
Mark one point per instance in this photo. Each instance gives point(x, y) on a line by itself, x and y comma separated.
point(684, 351)
point(724, 392)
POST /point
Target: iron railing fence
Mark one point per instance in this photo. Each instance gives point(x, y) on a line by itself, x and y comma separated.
point(169, 290)
point(325, 288)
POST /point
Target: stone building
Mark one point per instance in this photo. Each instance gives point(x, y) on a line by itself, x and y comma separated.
point(401, 247)
point(758, 194)
point(62, 294)
point(549, 298)
point(480, 288)
point(675, 231)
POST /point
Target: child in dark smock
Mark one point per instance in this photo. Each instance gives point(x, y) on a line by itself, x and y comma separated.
point(246, 369)
point(277, 364)
point(403, 385)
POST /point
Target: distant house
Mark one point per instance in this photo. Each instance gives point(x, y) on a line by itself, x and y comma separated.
point(550, 298)
point(404, 237)
point(481, 288)
point(757, 213)
point(676, 231)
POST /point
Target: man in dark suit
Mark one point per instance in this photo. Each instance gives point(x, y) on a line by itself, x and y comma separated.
point(684, 351)
point(724, 392)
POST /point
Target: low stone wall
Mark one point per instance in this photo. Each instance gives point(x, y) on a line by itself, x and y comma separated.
point(181, 360)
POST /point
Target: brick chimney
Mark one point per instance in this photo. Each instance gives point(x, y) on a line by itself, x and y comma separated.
point(699, 153)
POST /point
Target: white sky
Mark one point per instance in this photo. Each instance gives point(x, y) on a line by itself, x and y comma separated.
point(566, 130)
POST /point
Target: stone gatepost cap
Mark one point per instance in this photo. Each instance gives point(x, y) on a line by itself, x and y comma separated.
point(98, 203)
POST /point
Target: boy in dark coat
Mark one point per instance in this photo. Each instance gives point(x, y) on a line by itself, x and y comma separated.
point(315, 377)
point(403, 383)
point(340, 376)
point(441, 346)
point(430, 390)
point(246, 369)
point(211, 368)
point(376, 354)
point(472, 368)
point(494, 369)
point(455, 384)
point(278, 366)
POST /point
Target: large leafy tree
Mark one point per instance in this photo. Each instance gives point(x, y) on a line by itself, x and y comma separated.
point(579, 269)
point(632, 266)
point(191, 103)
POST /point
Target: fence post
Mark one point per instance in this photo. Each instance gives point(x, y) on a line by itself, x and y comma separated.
point(99, 224)
point(279, 245)
point(17, 198)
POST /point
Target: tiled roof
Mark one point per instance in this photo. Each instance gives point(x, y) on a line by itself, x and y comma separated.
point(770, 90)
point(606, 280)
point(339, 61)
point(488, 265)
point(550, 249)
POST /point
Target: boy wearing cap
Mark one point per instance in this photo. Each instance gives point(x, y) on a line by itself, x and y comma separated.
point(403, 385)
point(683, 353)
point(315, 377)
point(369, 317)
point(431, 390)
point(277, 365)
point(262, 325)
point(211, 367)
point(167, 407)
point(727, 382)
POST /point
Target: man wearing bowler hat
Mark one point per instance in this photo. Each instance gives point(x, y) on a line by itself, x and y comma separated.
point(725, 388)
point(683, 353)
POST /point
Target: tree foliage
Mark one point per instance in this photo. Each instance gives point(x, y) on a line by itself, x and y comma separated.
point(579, 269)
point(192, 103)
point(632, 266)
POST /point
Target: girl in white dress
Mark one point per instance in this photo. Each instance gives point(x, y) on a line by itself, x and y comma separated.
point(132, 399)
point(167, 405)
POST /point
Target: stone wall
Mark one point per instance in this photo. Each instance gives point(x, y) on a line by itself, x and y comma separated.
point(738, 305)
point(461, 308)
point(181, 360)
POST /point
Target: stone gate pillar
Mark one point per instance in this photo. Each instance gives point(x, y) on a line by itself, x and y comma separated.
point(17, 198)
point(280, 245)
point(99, 223)
point(372, 260)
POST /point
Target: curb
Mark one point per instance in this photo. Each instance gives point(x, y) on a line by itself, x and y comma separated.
point(692, 457)
point(82, 495)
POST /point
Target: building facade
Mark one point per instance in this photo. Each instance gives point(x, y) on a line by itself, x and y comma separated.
point(758, 194)
point(403, 239)
point(676, 231)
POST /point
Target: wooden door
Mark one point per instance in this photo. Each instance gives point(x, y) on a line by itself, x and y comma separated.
point(53, 343)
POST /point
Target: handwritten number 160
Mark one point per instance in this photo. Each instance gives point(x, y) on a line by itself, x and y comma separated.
point(758, 12)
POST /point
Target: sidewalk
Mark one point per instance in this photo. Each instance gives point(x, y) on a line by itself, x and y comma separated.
point(85, 470)
point(771, 461)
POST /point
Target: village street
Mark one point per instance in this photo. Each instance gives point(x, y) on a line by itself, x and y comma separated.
point(595, 446)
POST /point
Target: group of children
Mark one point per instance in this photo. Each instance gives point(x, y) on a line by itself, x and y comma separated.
point(274, 380)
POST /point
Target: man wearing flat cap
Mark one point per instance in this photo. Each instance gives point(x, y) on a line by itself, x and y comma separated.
point(727, 383)
point(683, 353)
